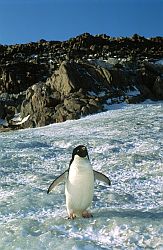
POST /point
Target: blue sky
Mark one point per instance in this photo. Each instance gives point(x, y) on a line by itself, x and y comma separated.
point(23, 21)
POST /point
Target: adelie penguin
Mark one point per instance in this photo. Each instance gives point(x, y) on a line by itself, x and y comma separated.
point(79, 181)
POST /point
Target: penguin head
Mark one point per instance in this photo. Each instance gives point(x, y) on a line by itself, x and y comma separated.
point(80, 151)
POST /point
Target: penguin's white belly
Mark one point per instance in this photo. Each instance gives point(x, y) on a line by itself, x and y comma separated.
point(79, 190)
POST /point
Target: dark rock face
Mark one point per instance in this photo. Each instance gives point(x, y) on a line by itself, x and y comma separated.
point(49, 82)
point(17, 77)
point(158, 87)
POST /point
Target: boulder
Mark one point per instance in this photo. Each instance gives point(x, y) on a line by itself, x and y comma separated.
point(63, 114)
point(158, 88)
point(40, 103)
point(2, 111)
point(73, 104)
point(72, 76)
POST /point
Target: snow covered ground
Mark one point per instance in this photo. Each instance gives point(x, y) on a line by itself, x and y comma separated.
point(125, 143)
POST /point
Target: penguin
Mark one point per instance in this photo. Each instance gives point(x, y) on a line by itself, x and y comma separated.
point(79, 181)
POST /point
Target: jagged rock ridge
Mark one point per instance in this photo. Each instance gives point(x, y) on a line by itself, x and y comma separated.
point(54, 81)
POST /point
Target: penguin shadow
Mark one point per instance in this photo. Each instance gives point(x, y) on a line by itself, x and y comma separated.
point(128, 214)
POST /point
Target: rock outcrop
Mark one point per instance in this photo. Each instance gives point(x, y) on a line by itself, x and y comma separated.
point(47, 82)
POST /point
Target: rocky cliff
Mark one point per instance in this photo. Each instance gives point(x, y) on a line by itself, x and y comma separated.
point(46, 82)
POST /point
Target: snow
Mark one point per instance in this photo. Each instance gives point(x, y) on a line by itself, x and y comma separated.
point(99, 94)
point(16, 118)
point(21, 121)
point(159, 62)
point(134, 92)
point(108, 63)
point(3, 122)
point(125, 143)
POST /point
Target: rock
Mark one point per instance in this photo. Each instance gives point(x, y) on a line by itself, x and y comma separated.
point(158, 88)
point(146, 77)
point(95, 104)
point(134, 99)
point(61, 81)
point(62, 114)
point(92, 109)
point(71, 77)
point(55, 81)
point(85, 111)
point(39, 104)
point(2, 111)
point(17, 77)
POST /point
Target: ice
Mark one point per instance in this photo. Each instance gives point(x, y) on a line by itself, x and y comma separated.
point(124, 143)
point(134, 92)
point(21, 121)
point(16, 118)
point(100, 94)
point(159, 62)
point(3, 122)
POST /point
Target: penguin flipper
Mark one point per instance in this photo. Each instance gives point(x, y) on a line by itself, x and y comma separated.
point(58, 181)
point(101, 177)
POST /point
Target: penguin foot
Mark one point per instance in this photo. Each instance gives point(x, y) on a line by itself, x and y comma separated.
point(72, 216)
point(86, 214)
